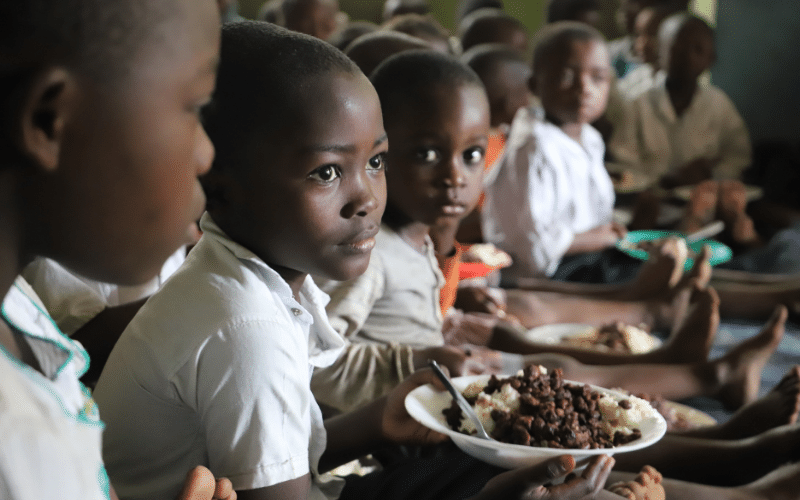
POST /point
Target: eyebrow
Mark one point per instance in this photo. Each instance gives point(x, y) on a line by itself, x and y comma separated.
point(339, 148)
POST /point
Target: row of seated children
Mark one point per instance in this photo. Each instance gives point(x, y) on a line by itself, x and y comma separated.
point(307, 200)
point(101, 149)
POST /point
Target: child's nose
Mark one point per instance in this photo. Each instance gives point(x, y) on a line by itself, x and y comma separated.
point(363, 199)
point(454, 174)
point(204, 152)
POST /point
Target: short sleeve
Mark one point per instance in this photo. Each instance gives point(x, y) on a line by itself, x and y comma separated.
point(253, 399)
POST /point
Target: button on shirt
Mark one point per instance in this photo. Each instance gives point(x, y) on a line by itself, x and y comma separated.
point(215, 370)
point(549, 188)
point(49, 427)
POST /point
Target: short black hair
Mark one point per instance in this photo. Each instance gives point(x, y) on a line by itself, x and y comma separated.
point(99, 38)
point(400, 7)
point(486, 58)
point(488, 26)
point(264, 71)
point(369, 50)
point(569, 10)
point(554, 38)
point(342, 38)
point(417, 25)
point(466, 7)
point(414, 74)
point(677, 23)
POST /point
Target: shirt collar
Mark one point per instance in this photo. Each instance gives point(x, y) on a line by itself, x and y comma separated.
point(325, 343)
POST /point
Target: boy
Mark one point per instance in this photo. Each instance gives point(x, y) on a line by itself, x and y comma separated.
point(552, 196)
point(101, 149)
point(297, 187)
point(493, 26)
point(584, 11)
point(680, 132)
point(423, 27)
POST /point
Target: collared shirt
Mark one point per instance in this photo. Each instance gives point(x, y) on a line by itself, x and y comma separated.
point(395, 300)
point(549, 188)
point(50, 431)
point(215, 370)
point(72, 300)
point(655, 141)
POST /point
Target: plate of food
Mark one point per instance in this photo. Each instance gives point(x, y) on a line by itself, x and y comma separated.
point(637, 244)
point(612, 337)
point(528, 427)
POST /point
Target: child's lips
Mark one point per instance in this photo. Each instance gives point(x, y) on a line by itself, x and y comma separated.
point(362, 242)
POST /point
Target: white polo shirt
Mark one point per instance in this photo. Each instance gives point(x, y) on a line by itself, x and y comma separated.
point(215, 370)
point(549, 187)
point(50, 432)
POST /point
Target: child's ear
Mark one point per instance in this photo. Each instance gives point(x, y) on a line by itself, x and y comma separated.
point(45, 112)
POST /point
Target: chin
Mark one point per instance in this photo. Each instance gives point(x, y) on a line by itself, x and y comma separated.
point(348, 270)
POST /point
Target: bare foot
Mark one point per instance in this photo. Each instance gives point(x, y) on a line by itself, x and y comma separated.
point(200, 484)
point(701, 207)
point(739, 370)
point(661, 272)
point(780, 406)
point(780, 484)
point(691, 338)
point(646, 486)
point(731, 209)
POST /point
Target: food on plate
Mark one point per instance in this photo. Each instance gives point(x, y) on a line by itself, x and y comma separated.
point(616, 337)
point(486, 254)
point(535, 408)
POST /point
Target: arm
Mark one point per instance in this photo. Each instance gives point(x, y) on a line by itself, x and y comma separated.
point(598, 238)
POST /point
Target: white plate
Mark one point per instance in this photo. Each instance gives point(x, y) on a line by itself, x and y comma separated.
point(425, 404)
point(553, 334)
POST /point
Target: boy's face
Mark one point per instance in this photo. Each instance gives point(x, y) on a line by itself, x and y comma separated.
point(645, 44)
point(324, 16)
point(126, 190)
point(690, 53)
point(573, 84)
point(437, 154)
point(316, 203)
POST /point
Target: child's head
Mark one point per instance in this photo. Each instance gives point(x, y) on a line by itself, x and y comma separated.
point(102, 142)
point(467, 7)
point(583, 11)
point(392, 8)
point(505, 74)
point(345, 36)
point(437, 119)
point(318, 18)
point(369, 50)
point(298, 178)
point(493, 26)
point(686, 47)
point(645, 31)
point(571, 73)
point(422, 27)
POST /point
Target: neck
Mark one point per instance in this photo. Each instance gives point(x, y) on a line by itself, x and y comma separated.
point(573, 130)
point(444, 238)
point(295, 279)
point(680, 93)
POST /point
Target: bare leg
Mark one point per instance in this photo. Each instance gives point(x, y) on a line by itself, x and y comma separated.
point(690, 342)
point(780, 484)
point(780, 406)
point(733, 379)
point(718, 462)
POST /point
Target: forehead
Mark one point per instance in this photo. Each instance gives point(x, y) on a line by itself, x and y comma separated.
point(445, 109)
point(577, 52)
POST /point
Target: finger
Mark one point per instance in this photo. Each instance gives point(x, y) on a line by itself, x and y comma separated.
point(224, 490)
point(199, 485)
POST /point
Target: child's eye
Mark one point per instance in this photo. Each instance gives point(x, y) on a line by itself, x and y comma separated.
point(428, 155)
point(377, 162)
point(473, 156)
point(326, 173)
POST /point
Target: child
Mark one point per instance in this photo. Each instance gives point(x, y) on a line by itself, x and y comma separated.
point(101, 149)
point(645, 46)
point(680, 132)
point(354, 29)
point(552, 196)
point(493, 26)
point(424, 27)
point(584, 11)
point(318, 18)
point(393, 8)
point(216, 365)
point(369, 50)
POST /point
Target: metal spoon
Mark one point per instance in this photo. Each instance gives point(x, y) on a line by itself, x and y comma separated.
point(460, 401)
point(706, 231)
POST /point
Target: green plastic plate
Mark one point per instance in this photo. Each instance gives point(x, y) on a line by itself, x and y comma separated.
point(719, 252)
